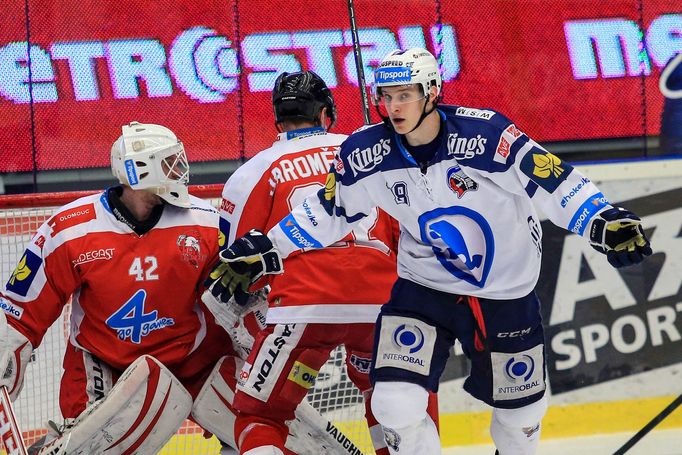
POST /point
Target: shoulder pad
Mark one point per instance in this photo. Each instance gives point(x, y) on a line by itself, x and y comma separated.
point(77, 212)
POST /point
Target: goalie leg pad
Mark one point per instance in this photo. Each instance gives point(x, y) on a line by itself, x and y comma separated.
point(140, 414)
point(213, 406)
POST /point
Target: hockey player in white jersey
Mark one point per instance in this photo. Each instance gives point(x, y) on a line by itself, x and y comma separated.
point(464, 184)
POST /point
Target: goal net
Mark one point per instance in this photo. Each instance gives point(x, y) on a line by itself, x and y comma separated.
point(333, 395)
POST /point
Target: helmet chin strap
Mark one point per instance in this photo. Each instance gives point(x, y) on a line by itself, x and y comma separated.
point(423, 116)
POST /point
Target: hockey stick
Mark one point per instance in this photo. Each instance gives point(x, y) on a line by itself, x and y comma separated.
point(9, 429)
point(358, 63)
point(649, 426)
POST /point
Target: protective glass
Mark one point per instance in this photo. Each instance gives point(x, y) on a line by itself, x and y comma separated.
point(397, 96)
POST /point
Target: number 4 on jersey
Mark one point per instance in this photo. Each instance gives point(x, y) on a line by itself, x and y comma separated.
point(129, 319)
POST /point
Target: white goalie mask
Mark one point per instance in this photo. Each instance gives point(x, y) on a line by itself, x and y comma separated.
point(150, 157)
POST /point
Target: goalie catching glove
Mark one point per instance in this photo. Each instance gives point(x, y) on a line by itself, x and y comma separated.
point(242, 264)
point(618, 233)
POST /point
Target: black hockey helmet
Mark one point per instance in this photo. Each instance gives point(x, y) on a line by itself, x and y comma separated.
point(300, 96)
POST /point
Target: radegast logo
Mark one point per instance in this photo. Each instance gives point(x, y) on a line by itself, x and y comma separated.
point(367, 159)
point(467, 258)
point(459, 182)
point(103, 254)
point(464, 148)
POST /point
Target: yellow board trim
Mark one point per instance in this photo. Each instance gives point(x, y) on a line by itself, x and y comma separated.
point(567, 420)
point(560, 422)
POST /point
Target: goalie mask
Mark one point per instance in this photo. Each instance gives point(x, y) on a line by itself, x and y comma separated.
point(301, 96)
point(150, 157)
point(400, 68)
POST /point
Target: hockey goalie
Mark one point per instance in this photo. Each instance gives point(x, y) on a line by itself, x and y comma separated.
point(143, 353)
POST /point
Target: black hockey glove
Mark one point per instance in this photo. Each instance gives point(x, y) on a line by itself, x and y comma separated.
point(243, 263)
point(618, 233)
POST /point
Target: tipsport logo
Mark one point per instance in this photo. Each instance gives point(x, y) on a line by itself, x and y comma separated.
point(408, 337)
point(130, 171)
point(389, 75)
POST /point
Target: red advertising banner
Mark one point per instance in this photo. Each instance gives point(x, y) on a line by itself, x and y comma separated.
point(563, 70)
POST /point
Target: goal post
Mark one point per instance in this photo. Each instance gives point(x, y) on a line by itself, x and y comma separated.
point(333, 395)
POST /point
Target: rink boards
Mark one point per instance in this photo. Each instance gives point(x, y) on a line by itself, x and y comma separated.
point(614, 349)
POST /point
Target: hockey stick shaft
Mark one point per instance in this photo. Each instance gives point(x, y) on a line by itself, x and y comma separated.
point(9, 428)
point(649, 426)
point(358, 63)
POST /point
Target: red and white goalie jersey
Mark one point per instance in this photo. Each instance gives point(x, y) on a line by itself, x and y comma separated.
point(132, 295)
point(345, 283)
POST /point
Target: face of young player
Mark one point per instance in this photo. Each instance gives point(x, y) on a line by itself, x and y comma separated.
point(404, 105)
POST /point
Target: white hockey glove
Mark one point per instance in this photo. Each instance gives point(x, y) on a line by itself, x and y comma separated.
point(618, 234)
point(241, 322)
point(242, 264)
point(15, 353)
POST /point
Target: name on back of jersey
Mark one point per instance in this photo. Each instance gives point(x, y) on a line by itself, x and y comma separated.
point(302, 166)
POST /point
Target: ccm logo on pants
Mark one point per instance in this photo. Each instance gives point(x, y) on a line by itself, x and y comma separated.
point(406, 343)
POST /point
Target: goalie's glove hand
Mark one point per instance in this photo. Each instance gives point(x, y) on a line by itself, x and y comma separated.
point(243, 263)
point(618, 233)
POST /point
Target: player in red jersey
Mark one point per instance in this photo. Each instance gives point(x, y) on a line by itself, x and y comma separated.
point(132, 261)
point(322, 301)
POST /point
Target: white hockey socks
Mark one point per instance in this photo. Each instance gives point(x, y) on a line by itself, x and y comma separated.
point(400, 407)
point(517, 431)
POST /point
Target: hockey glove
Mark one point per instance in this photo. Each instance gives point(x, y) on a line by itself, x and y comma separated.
point(618, 233)
point(243, 263)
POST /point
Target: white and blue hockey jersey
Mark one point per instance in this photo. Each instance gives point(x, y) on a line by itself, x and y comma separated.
point(468, 222)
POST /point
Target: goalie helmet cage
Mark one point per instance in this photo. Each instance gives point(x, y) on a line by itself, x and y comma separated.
point(333, 395)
